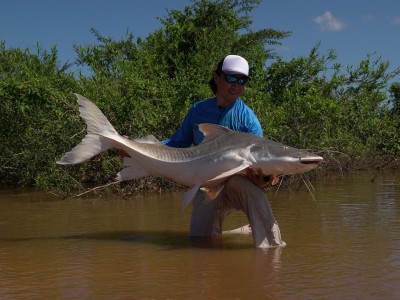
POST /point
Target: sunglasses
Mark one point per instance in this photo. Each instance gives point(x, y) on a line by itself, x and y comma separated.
point(234, 78)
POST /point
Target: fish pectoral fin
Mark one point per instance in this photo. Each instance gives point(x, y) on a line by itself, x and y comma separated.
point(188, 196)
point(231, 172)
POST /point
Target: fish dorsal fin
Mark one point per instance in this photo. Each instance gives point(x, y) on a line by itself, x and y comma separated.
point(212, 131)
point(149, 139)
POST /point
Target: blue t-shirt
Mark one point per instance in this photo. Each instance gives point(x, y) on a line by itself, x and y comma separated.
point(238, 116)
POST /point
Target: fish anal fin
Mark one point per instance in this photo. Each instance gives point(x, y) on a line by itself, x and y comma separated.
point(132, 170)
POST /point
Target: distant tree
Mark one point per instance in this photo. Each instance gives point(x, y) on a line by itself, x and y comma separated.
point(395, 92)
point(34, 112)
point(163, 74)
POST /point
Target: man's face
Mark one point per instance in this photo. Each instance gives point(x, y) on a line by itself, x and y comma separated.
point(229, 87)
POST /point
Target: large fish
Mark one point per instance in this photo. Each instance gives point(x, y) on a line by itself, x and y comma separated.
point(222, 154)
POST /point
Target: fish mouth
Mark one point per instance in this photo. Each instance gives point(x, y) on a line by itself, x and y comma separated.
point(311, 160)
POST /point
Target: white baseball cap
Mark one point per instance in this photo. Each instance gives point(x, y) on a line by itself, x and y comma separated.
point(235, 64)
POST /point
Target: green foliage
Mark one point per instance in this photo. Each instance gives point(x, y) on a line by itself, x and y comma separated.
point(34, 114)
point(315, 105)
point(153, 81)
point(395, 101)
point(351, 115)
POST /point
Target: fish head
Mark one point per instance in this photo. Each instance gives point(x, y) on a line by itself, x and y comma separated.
point(278, 159)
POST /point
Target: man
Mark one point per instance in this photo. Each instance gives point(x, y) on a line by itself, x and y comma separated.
point(240, 192)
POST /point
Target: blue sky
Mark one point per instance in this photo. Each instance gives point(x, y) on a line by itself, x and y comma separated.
point(354, 28)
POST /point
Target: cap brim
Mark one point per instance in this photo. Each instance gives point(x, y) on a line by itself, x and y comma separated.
point(234, 73)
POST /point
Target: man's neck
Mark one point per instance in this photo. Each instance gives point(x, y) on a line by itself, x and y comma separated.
point(222, 103)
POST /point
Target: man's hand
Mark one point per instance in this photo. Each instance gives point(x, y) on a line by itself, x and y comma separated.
point(259, 179)
point(123, 153)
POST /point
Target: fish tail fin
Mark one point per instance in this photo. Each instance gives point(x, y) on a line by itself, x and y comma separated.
point(101, 134)
point(97, 123)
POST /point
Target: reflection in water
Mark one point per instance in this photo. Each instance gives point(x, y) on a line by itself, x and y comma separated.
point(345, 244)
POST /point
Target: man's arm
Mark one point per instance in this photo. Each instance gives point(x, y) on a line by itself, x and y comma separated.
point(183, 137)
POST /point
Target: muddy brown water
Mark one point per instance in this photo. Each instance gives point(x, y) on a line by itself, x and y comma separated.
point(344, 244)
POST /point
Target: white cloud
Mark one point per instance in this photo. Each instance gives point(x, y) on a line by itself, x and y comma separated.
point(327, 22)
point(396, 21)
